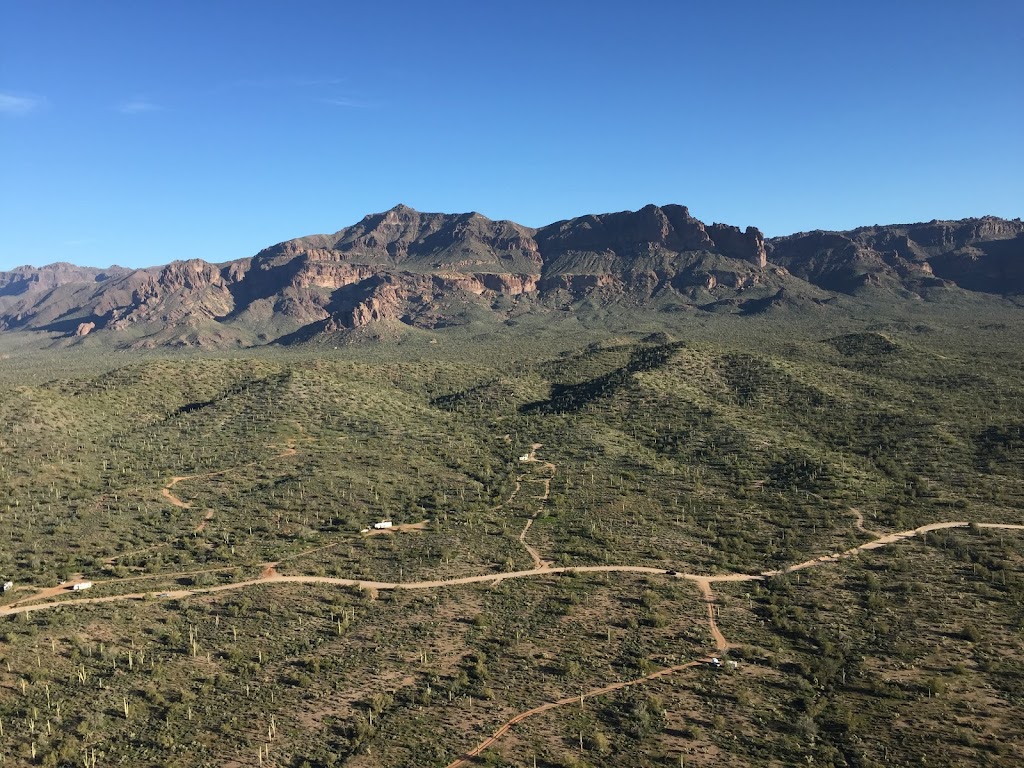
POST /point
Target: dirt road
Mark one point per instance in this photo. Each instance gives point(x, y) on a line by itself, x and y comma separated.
point(166, 491)
point(288, 449)
point(721, 644)
point(465, 759)
point(48, 598)
point(859, 525)
point(272, 577)
point(699, 579)
point(538, 561)
point(48, 592)
point(885, 540)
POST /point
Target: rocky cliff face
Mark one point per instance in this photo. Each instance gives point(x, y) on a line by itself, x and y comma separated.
point(645, 253)
point(670, 229)
point(414, 241)
point(33, 298)
point(985, 254)
point(30, 279)
point(433, 269)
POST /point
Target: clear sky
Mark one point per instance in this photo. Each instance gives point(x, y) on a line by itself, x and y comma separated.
point(139, 132)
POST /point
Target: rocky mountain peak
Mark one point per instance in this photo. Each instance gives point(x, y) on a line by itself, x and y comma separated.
point(426, 270)
point(669, 228)
point(748, 245)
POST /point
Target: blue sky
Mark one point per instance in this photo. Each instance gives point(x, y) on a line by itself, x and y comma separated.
point(140, 132)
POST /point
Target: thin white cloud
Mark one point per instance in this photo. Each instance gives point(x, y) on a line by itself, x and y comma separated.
point(343, 102)
point(138, 106)
point(289, 82)
point(18, 105)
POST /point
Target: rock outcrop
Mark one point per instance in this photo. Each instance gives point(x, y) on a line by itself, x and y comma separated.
point(985, 254)
point(747, 245)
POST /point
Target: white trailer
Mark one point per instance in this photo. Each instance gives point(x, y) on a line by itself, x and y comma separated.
point(81, 585)
point(383, 524)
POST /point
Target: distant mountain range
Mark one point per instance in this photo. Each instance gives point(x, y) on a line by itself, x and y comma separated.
point(430, 270)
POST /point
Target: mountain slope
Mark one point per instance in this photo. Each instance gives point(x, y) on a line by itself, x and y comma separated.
point(431, 270)
point(985, 254)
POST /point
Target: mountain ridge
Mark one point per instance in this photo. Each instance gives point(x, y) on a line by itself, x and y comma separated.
point(431, 270)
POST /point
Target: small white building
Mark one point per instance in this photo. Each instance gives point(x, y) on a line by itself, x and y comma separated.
point(383, 524)
point(8, 585)
point(525, 457)
point(81, 585)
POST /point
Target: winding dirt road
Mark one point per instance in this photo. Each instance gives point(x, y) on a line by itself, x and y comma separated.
point(702, 580)
point(166, 491)
point(46, 599)
point(464, 760)
point(859, 525)
point(538, 561)
point(721, 643)
point(269, 575)
point(885, 540)
point(288, 449)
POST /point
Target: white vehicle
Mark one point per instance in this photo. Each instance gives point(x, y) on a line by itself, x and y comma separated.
point(8, 585)
point(715, 661)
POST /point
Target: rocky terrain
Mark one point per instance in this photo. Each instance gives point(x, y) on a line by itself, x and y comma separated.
point(431, 270)
point(985, 255)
